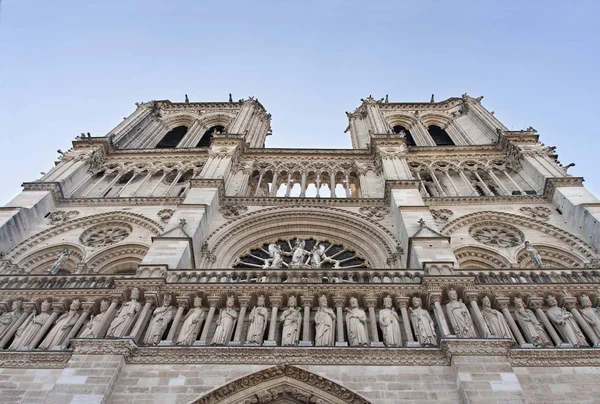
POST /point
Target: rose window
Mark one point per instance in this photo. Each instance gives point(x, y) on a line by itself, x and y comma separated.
point(300, 253)
point(497, 234)
point(104, 235)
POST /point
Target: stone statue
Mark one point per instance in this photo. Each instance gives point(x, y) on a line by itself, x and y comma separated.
point(356, 323)
point(92, 328)
point(494, 320)
point(291, 318)
point(390, 324)
point(258, 323)
point(531, 327)
point(62, 327)
point(422, 324)
point(589, 314)
point(126, 316)
point(161, 318)
point(191, 324)
point(459, 316)
point(7, 319)
point(565, 323)
point(298, 253)
point(276, 257)
point(30, 328)
point(62, 257)
point(316, 256)
point(536, 258)
point(225, 324)
point(324, 324)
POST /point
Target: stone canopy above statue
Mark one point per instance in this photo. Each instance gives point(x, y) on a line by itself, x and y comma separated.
point(298, 253)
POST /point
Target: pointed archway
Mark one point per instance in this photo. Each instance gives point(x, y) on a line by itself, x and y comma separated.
point(283, 384)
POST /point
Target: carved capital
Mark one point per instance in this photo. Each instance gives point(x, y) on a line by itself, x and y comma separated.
point(402, 302)
point(275, 301)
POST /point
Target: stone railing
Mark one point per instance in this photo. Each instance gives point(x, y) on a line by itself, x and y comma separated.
point(58, 282)
point(535, 277)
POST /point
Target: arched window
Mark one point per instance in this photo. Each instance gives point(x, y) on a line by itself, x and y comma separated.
point(408, 136)
point(172, 138)
point(207, 137)
point(440, 136)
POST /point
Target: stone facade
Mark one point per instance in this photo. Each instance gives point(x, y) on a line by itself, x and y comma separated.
point(443, 259)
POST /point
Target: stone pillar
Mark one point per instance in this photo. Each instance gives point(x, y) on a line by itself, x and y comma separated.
point(183, 302)
point(477, 316)
point(339, 308)
point(108, 318)
point(244, 302)
point(142, 321)
point(212, 301)
point(536, 304)
point(306, 338)
point(502, 304)
point(88, 307)
point(402, 303)
point(28, 309)
point(570, 302)
point(439, 316)
point(57, 308)
point(371, 303)
point(275, 305)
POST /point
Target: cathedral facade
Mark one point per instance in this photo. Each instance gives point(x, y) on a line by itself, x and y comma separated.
point(444, 258)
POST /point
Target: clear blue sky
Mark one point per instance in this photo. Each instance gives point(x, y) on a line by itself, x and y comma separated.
point(77, 66)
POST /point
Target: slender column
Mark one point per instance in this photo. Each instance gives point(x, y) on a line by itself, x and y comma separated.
point(528, 181)
point(423, 187)
point(371, 302)
point(303, 185)
point(127, 183)
point(56, 310)
point(110, 184)
point(502, 304)
point(257, 191)
point(288, 189)
point(339, 309)
point(183, 304)
point(108, 318)
point(437, 182)
point(275, 304)
point(536, 304)
point(244, 302)
point(88, 307)
point(274, 187)
point(483, 184)
point(439, 315)
point(332, 185)
point(212, 301)
point(142, 320)
point(13, 329)
point(141, 184)
point(451, 182)
point(466, 180)
point(513, 181)
point(306, 340)
point(177, 177)
point(158, 183)
point(570, 303)
point(402, 303)
point(348, 195)
point(478, 317)
point(86, 193)
point(498, 182)
point(318, 184)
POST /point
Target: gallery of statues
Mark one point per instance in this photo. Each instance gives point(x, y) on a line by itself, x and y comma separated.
point(443, 258)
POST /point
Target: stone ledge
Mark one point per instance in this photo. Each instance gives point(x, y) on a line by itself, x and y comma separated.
point(34, 360)
point(475, 347)
point(554, 357)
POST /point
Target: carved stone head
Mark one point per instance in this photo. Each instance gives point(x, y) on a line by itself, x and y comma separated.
point(551, 300)
point(75, 305)
point(353, 302)
point(452, 295)
point(230, 301)
point(135, 293)
point(104, 304)
point(387, 302)
point(323, 301)
point(197, 301)
point(417, 302)
point(519, 304)
point(166, 300)
point(585, 301)
point(485, 302)
point(260, 301)
point(46, 306)
point(16, 305)
point(292, 301)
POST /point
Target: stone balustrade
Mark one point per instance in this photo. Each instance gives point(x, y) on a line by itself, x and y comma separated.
point(58, 282)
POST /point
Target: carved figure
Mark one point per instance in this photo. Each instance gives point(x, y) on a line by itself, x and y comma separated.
point(62, 257)
point(534, 254)
point(161, 318)
point(531, 327)
point(317, 254)
point(225, 324)
point(298, 253)
point(62, 327)
point(92, 329)
point(191, 323)
point(356, 323)
point(589, 314)
point(390, 324)
point(459, 316)
point(565, 323)
point(258, 323)
point(291, 318)
point(494, 320)
point(422, 324)
point(30, 328)
point(324, 324)
point(126, 316)
point(276, 257)
point(7, 319)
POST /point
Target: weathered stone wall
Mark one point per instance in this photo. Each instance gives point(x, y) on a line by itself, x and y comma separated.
point(560, 384)
point(27, 386)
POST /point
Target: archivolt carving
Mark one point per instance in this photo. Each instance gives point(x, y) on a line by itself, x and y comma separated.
point(578, 244)
point(552, 257)
point(350, 229)
point(114, 259)
point(40, 261)
point(83, 222)
point(282, 382)
point(472, 257)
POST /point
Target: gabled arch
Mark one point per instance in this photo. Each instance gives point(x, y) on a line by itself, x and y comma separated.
point(436, 119)
point(408, 121)
point(552, 257)
point(40, 261)
point(475, 257)
point(117, 259)
point(181, 119)
point(282, 384)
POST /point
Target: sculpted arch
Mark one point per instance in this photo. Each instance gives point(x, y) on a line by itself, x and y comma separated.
point(39, 261)
point(122, 258)
point(372, 241)
point(552, 257)
point(283, 384)
point(475, 257)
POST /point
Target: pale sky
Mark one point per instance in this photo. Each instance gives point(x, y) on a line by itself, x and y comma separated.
point(79, 66)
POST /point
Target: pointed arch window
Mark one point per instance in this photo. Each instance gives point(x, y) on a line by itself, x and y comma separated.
point(440, 136)
point(407, 135)
point(208, 135)
point(172, 138)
